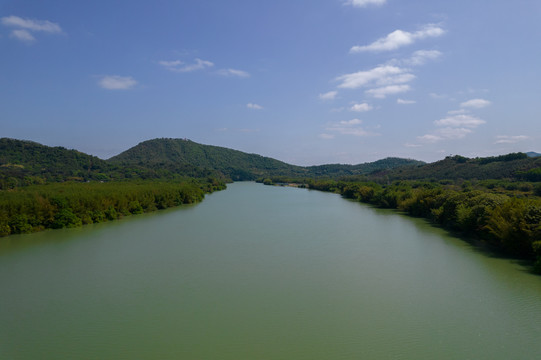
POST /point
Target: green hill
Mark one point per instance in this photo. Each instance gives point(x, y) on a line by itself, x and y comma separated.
point(334, 170)
point(26, 162)
point(515, 166)
point(36, 163)
point(176, 154)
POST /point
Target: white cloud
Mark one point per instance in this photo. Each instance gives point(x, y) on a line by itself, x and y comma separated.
point(351, 122)
point(328, 95)
point(447, 133)
point(361, 107)
point(405, 102)
point(349, 127)
point(382, 92)
point(380, 75)
point(179, 66)
point(475, 103)
point(460, 120)
point(438, 96)
point(33, 25)
point(455, 112)
point(114, 82)
point(430, 138)
point(399, 38)
point(453, 133)
point(170, 64)
point(507, 139)
point(421, 57)
point(387, 80)
point(410, 145)
point(254, 106)
point(233, 72)
point(23, 35)
point(326, 136)
point(364, 3)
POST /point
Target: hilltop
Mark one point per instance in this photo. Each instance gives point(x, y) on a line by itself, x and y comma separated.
point(176, 154)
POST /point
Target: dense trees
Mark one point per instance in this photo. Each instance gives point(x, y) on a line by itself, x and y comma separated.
point(72, 204)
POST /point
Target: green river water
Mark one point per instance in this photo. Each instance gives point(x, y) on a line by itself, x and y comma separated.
point(260, 272)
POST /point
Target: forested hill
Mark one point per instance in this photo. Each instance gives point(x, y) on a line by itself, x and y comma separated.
point(334, 170)
point(26, 162)
point(514, 166)
point(34, 162)
point(174, 154)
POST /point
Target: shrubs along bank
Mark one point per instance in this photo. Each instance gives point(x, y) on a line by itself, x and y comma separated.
point(71, 204)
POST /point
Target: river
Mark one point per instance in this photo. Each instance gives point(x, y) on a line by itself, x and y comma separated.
point(262, 272)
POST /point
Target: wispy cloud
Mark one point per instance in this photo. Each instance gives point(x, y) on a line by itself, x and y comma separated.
point(380, 75)
point(233, 72)
point(405, 102)
point(421, 57)
point(331, 95)
point(361, 107)
point(349, 127)
point(180, 66)
point(400, 38)
point(326, 136)
point(382, 92)
point(508, 139)
point(24, 27)
point(364, 3)
point(33, 25)
point(445, 134)
point(22, 35)
point(115, 82)
point(384, 80)
point(453, 127)
point(254, 106)
point(460, 120)
point(475, 103)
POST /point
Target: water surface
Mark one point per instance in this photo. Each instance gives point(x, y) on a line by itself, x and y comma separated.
point(260, 272)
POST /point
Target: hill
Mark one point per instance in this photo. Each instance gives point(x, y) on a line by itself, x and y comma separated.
point(36, 163)
point(176, 154)
point(533, 154)
point(514, 166)
point(173, 154)
point(334, 170)
point(26, 162)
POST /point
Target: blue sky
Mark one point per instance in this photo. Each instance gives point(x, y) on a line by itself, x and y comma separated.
point(304, 81)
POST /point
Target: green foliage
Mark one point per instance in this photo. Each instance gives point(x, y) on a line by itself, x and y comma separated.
point(72, 204)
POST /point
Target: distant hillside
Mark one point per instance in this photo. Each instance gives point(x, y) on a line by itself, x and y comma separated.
point(21, 159)
point(533, 154)
point(26, 162)
point(172, 154)
point(334, 170)
point(516, 166)
point(175, 154)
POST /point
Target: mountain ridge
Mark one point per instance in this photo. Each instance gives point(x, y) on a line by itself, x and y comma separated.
point(24, 162)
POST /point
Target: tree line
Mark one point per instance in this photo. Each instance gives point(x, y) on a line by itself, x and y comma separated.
point(71, 204)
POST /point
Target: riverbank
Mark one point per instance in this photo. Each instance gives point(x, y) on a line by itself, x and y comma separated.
point(73, 204)
point(508, 223)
